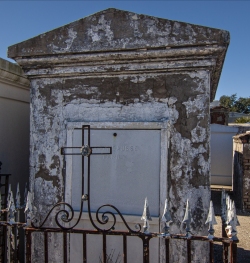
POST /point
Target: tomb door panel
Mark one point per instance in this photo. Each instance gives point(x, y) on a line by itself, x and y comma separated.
point(123, 178)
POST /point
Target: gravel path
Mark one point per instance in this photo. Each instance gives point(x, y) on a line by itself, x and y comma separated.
point(244, 239)
point(243, 250)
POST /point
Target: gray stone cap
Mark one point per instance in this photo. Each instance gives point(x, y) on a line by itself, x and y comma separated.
point(11, 67)
point(114, 29)
point(12, 73)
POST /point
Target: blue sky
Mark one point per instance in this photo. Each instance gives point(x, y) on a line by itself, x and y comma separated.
point(21, 20)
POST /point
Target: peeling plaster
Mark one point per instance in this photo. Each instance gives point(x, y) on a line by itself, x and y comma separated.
point(96, 32)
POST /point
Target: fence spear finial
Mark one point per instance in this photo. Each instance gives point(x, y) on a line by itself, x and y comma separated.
point(187, 219)
point(11, 209)
point(146, 217)
point(18, 206)
point(232, 222)
point(28, 210)
point(211, 221)
point(8, 198)
point(25, 195)
point(223, 205)
point(167, 220)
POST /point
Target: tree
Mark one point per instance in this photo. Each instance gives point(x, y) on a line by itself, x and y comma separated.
point(243, 120)
point(241, 105)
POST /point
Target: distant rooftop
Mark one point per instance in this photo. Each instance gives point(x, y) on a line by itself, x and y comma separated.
point(11, 67)
point(214, 103)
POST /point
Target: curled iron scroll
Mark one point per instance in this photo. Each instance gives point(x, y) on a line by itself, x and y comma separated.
point(105, 219)
point(62, 215)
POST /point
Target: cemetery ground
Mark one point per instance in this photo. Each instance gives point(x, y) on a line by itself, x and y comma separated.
point(243, 250)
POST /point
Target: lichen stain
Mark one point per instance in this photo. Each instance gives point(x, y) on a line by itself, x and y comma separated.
point(101, 30)
point(55, 162)
point(199, 134)
point(49, 93)
point(130, 90)
point(197, 215)
point(44, 173)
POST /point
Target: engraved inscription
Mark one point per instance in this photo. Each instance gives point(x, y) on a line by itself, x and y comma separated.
point(120, 149)
point(126, 148)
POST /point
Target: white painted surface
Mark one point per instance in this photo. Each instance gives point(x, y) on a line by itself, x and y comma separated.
point(114, 243)
point(222, 154)
point(14, 123)
point(125, 177)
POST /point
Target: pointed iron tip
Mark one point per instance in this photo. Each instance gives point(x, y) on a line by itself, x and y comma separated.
point(211, 215)
point(146, 213)
point(187, 216)
point(166, 216)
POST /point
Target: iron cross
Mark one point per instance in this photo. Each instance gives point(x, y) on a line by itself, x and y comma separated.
point(86, 150)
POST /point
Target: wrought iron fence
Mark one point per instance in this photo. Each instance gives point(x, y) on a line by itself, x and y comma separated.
point(12, 225)
point(4, 184)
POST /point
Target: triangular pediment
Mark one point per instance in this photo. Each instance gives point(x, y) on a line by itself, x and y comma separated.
point(114, 29)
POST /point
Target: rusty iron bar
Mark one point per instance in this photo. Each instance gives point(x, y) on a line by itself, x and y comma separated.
point(83, 165)
point(104, 248)
point(167, 250)
point(225, 252)
point(84, 247)
point(139, 234)
point(28, 246)
point(145, 242)
point(65, 247)
point(124, 248)
point(46, 254)
point(233, 252)
point(4, 216)
point(189, 250)
point(15, 248)
point(211, 252)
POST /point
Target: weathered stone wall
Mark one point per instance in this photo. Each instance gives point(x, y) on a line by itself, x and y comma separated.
point(246, 180)
point(241, 176)
point(148, 98)
point(119, 66)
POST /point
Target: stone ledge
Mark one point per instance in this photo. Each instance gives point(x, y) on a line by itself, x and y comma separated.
point(10, 67)
point(11, 73)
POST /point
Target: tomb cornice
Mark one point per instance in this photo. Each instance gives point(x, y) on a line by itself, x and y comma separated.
point(123, 55)
point(209, 57)
point(129, 67)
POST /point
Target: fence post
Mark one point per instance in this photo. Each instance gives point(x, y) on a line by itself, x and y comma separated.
point(211, 252)
point(28, 246)
point(167, 250)
point(189, 250)
point(145, 241)
point(233, 252)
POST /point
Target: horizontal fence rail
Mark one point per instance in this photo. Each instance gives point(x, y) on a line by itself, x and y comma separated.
point(12, 226)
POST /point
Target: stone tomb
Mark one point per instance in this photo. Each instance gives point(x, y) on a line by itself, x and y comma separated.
point(150, 80)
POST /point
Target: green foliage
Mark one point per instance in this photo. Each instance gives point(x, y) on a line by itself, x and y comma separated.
point(243, 120)
point(241, 105)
